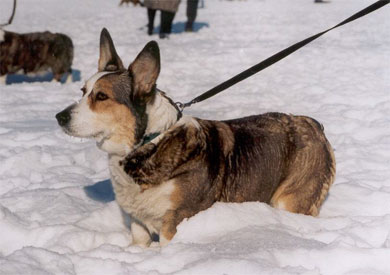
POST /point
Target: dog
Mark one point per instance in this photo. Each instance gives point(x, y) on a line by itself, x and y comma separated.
point(33, 53)
point(166, 167)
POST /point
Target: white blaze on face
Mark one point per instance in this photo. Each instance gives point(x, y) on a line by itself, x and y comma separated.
point(91, 82)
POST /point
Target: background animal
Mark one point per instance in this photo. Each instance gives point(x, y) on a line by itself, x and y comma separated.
point(35, 52)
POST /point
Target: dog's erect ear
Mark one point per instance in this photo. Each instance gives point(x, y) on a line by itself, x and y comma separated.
point(109, 59)
point(145, 69)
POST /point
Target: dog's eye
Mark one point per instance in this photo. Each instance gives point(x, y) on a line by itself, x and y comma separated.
point(84, 91)
point(101, 96)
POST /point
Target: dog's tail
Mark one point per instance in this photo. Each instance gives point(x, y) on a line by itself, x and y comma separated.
point(12, 16)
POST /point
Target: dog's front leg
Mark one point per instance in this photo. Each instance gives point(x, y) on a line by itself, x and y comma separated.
point(171, 220)
point(3, 79)
point(140, 235)
point(168, 229)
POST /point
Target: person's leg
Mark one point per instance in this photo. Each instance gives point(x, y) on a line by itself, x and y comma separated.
point(192, 7)
point(166, 23)
point(151, 15)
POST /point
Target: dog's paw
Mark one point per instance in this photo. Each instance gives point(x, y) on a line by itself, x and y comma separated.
point(136, 159)
point(129, 164)
point(133, 166)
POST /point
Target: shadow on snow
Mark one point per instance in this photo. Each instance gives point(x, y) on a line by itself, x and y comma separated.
point(179, 27)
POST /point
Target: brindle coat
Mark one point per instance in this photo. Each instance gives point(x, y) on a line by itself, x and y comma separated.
point(279, 159)
point(35, 52)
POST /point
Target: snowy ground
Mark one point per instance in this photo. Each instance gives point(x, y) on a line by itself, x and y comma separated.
point(48, 224)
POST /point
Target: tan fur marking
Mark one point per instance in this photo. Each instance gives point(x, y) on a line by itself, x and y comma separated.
point(171, 219)
point(303, 191)
point(112, 113)
point(330, 181)
point(168, 229)
point(105, 86)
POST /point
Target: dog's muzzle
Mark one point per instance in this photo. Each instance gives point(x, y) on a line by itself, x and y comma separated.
point(64, 117)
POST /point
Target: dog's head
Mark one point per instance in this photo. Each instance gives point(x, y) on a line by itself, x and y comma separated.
point(120, 106)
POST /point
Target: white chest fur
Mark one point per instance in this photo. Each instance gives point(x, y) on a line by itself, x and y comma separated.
point(147, 206)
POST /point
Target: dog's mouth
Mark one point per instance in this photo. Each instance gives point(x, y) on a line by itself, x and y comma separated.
point(98, 136)
point(65, 120)
point(67, 131)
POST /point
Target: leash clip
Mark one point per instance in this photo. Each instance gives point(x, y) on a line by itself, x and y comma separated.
point(180, 105)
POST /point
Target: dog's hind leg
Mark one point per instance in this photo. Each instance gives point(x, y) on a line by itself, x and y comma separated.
point(168, 229)
point(57, 77)
point(68, 77)
point(171, 220)
point(3, 79)
point(304, 194)
point(309, 178)
point(306, 198)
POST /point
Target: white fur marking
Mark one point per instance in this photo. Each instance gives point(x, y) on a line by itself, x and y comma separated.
point(157, 139)
point(84, 122)
point(161, 115)
point(140, 236)
point(3, 79)
point(188, 120)
point(184, 120)
point(91, 82)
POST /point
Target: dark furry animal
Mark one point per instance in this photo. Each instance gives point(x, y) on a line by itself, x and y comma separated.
point(35, 52)
point(166, 167)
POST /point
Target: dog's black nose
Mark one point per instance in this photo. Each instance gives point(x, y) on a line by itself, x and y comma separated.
point(63, 117)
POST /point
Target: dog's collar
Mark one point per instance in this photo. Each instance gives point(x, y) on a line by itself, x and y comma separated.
point(149, 138)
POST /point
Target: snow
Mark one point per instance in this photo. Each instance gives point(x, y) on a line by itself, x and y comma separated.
point(56, 210)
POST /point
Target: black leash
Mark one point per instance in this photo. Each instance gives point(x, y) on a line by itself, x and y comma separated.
point(276, 57)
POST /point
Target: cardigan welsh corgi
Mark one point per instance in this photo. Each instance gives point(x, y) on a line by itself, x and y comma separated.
point(166, 167)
